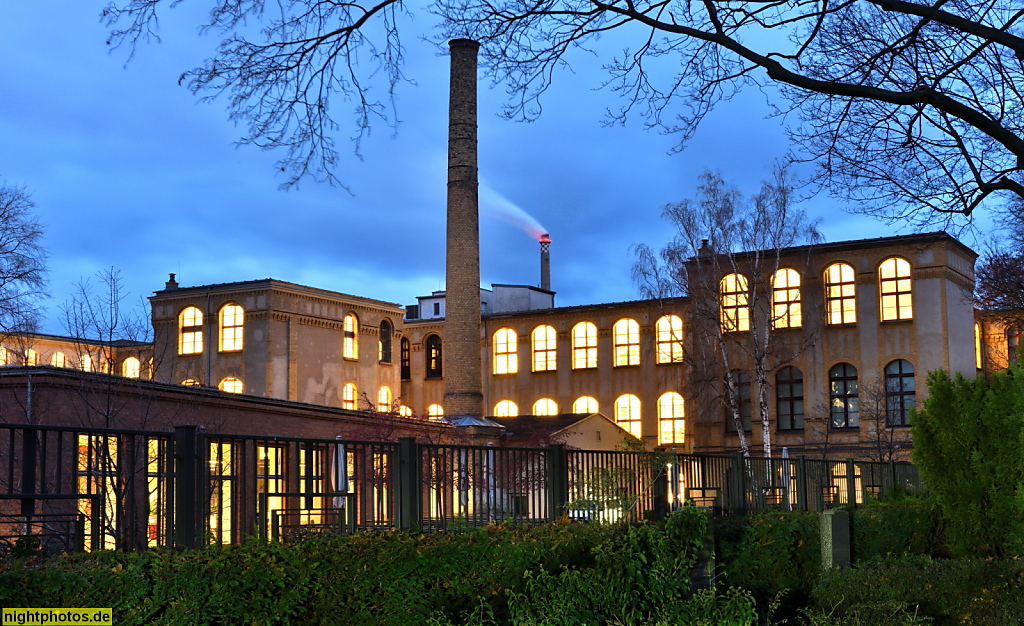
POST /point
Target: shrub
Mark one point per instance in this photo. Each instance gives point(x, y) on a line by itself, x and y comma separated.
point(770, 552)
point(893, 590)
point(907, 526)
point(969, 447)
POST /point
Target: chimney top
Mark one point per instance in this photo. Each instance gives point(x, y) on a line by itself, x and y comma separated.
point(171, 283)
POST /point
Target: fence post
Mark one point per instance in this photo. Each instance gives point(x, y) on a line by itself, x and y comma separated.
point(409, 488)
point(188, 491)
point(739, 479)
point(558, 481)
point(801, 482)
point(851, 483)
point(28, 472)
point(659, 492)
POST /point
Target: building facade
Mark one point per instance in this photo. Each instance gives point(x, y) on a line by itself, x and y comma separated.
point(852, 330)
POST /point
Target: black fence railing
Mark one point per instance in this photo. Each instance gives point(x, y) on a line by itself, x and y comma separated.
point(72, 489)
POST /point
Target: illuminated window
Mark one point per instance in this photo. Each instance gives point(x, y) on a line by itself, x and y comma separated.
point(350, 337)
point(191, 382)
point(348, 396)
point(384, 399)
point(3, 355)
point(405, 355)
point(789, 398)
point(190, 331)
point(384, 342)
point(232, 318)
point(668, 336)
point(840, 294)
point(31, 357)
point(584, 346)
point(230, 385)
point(626, 340)
point(86, 362)
point(900, 395)
point(671, 422)
point(735, 300)
point(404, 411)
point(544, 353)
point(435, 412)
point(506, 360)
point(434, 361)
point(59, 359)
point(977, 345)
point(895, 285)
point(786, 312)
point(584, 405)
point(741, 384)
point(627, 413)
point(545, 406)
point(842, 381)
point(506, 408)
point(131, 367)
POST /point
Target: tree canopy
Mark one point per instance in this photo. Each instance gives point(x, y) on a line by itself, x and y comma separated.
point(904, 105)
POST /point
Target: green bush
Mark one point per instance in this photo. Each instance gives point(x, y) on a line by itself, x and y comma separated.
point(770, 552)
point(907, 526)
point(560, 573)
point(969, 448)
point(943, 591)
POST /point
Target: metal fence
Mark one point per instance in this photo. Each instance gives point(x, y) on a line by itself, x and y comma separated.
point(84, 489)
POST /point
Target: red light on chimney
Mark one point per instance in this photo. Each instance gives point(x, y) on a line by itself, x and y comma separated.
point(545, 238)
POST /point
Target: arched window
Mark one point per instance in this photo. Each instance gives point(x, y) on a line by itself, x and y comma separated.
point(584, 405)
point(350, 337)
point(840, 294)
point(131, 367)
point(977, 345)
point(546, 407)
point(232, 317)
point(627, 413)
point(59, 359)
point(506, 408)
point(668, 331)
point(506, 360)
point(543, 340)
point(789, 398)
point(435, 362)
point(349, 396)
point(404, 411)
point(435, 411)
point(735, 297)
point(786, 311)
point(230, 385)
point(900, 394)
point(190, 382)
point(895, 285)
point(741, 384)
point(31, 357)
point(842, 381)
point(584, 346)
point(190, 331)
point(384, 342)
point(406, 358)
point(384, 399)
point(671, 422)
point(86, 362)
point(626, 341)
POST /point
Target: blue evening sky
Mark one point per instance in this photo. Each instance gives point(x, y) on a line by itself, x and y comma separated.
point(129, 171)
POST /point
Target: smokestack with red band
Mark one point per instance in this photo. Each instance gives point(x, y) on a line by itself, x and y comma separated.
point(463, 384)
point(545, 262)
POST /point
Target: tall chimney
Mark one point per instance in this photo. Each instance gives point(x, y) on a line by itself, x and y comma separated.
point(545, 262)
point(463, 383)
